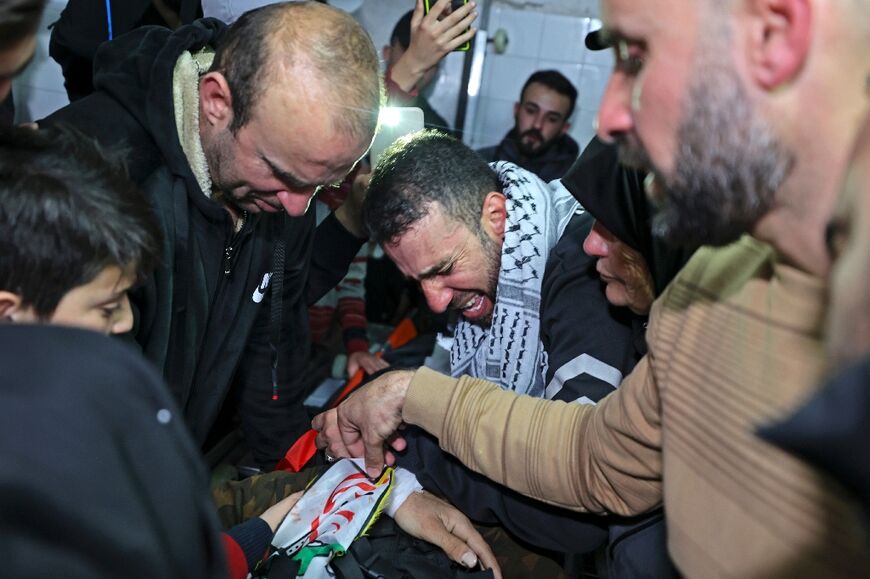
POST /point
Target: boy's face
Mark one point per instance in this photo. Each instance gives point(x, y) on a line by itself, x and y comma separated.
point(100, 305)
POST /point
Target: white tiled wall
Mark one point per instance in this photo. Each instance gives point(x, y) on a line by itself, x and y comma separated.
point(539, 40)
point(379, 17)
point(549, 35)
point(39, 90)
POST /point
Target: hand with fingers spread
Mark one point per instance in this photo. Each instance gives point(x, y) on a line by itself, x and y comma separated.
point(427, 517)
point(433, 36)
point(368, 419)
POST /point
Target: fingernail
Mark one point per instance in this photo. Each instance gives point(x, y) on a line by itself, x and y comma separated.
point(469, 559)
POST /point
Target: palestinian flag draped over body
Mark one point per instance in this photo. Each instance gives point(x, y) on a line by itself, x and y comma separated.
point(338, 507)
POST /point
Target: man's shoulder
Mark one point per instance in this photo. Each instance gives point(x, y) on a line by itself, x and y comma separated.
point(504, 150)
point(488, 153)
point(569, 146)
point(716, 272)
point(569, 249)
point(567, 260)
point(159, 188)
point(77, 369)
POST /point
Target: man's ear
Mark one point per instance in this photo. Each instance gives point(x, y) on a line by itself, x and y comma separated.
point(494, 215)
point(780, 40)
point(10, 303)
point(215, 100)
point(565, 127)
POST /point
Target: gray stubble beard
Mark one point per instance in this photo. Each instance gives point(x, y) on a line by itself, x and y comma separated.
point(729, 163)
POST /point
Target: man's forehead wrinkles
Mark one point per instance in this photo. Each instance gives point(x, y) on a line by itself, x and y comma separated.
point(434, 270)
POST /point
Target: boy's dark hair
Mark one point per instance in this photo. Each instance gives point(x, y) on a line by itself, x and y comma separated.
point(18, 20)
point(556, 81)
point(67, 211)
point(419, 170)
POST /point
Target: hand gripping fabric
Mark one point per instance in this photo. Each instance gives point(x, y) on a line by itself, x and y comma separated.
point(304, 448)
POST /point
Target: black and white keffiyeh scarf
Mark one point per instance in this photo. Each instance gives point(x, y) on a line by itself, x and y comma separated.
point(510, 352)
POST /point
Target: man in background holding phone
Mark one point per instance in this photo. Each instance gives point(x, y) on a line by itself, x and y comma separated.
point(420, 40)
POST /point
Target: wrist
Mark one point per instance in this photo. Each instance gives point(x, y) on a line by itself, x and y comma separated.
point(397, 386)
point(404, 485)
point(406, 75)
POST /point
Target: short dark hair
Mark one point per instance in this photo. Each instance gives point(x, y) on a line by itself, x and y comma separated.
point(555, 80)
point(420, 170)
point(18, 20)
point(402, 30)
point(309, 34)
point(67, 211)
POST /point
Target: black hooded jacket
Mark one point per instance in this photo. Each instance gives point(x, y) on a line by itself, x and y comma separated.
point(615, 196)
point(206, 329)
point(549, 165)
point(99, 476)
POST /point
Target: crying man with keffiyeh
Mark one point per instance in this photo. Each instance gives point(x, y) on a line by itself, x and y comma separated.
point(502, 249)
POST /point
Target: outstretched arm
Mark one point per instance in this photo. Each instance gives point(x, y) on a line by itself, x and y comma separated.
point(604, 458)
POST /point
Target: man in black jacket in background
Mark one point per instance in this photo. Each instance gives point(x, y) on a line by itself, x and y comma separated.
point(85, 24)
point(539, 141)
point(230, 131)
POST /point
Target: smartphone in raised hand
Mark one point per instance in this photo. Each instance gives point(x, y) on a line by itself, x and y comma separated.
point(454, 5)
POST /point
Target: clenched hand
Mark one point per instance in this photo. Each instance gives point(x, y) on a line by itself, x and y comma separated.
point(368, 419)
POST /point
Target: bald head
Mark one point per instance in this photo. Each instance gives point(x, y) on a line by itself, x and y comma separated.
point(269, 48)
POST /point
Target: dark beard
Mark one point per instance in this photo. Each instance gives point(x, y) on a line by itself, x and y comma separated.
point(728, 167)
point(492, 253)
point(529, 152)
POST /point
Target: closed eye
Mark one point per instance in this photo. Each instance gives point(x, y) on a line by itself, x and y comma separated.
point(109, 311)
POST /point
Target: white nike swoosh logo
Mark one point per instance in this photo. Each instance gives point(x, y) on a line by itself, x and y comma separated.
point(260, 292)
